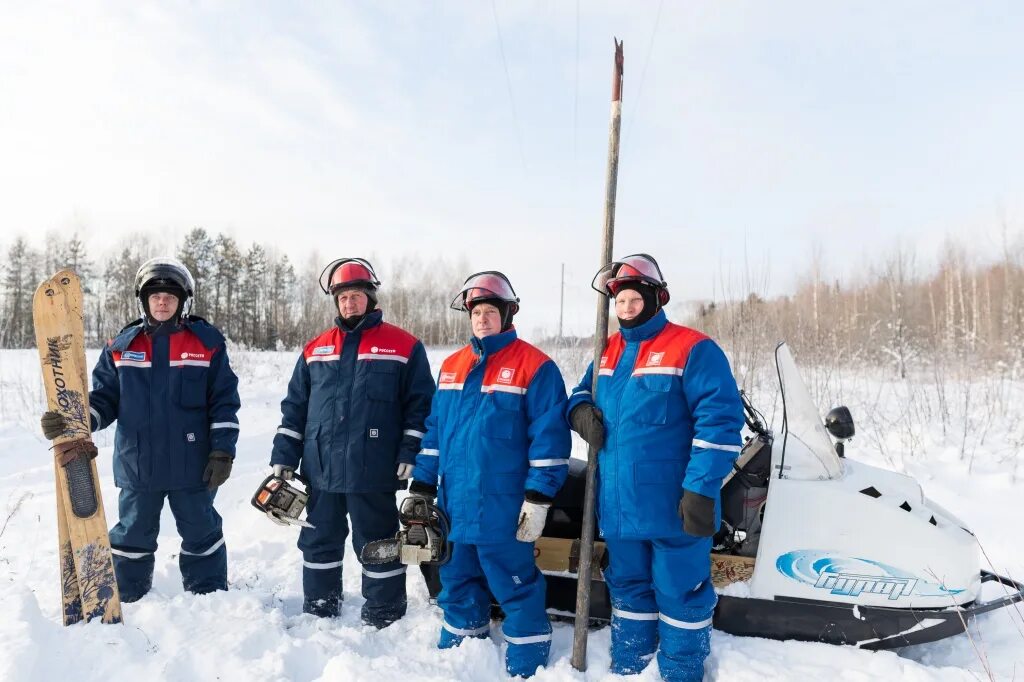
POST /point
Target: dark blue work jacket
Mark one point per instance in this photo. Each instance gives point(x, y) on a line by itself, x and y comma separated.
point(175, 399)
point(356, 406)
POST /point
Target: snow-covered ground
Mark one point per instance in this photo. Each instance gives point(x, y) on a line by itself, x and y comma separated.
point(256, 629)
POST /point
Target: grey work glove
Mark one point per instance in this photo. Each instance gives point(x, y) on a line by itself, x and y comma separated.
point(218, 468)
point(532, 516)
point(284, 471)
point(53, 424)
point(588, 421)
point(698, 514)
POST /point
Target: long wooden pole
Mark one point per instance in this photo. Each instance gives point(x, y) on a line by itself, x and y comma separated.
point(579, 642)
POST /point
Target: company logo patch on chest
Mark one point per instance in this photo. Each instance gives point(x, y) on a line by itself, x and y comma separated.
point(604, 360)
point(655, 358)
point(377, 349)
point(323, 350)
point(505, 375)
point(194, 356)
point(134, 355)
point(447, 378)
point(190, 437)
point(374, 433)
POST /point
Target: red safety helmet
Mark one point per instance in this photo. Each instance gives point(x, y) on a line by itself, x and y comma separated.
point(639, 267)
point(348, 272)
point(482, 286)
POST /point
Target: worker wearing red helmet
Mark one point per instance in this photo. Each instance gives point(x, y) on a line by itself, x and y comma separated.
point(666, 423)
point(352, 421)
point(495, 454)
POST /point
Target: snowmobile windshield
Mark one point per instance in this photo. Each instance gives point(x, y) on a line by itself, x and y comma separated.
point(484, 285)
point(636, 268)
point(808, 453)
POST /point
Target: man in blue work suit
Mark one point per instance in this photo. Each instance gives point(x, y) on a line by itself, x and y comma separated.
point(667, 429)
point(353, 419)
point(166, 380)
point(495, 454)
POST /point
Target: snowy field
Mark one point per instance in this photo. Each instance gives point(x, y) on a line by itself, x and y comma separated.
point(256, 630)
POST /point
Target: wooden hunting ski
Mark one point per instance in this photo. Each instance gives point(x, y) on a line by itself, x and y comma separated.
point(87, 573)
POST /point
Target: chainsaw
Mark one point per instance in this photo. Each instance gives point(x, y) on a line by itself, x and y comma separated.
point(281, 501)
point(422, 539)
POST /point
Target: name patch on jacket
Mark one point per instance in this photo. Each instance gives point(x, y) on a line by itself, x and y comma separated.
point(134, 356)
point(323, 350)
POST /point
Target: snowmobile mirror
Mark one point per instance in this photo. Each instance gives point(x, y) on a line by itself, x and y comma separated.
point(839, 423)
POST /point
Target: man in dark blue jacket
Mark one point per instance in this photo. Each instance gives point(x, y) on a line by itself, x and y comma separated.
point(166, 380)
point(495, 454)
point(666, 425)
point(353, 419)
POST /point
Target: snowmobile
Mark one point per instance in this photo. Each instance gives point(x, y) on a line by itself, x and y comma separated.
point(813, 546)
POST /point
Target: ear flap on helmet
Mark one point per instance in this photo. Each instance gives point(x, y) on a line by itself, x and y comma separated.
point(662, 296)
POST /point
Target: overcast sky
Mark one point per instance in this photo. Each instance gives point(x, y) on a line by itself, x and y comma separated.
point(753, 132)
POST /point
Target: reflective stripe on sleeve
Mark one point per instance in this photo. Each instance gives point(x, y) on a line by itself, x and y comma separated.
point(548, 462)
point(291, 434)
point(414, 433)
point(223, 425)
point(697, 442)
point(430, 452)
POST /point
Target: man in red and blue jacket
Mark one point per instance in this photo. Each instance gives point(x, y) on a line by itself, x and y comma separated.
point(166, 381)
point(353, 419)
point(495, 454)
point(666, 425)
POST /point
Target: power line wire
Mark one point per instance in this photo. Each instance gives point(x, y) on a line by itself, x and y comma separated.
point(508, 83)
point(643, 74)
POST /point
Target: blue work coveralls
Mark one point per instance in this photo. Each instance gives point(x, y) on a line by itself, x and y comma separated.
point(495, 431)
point(672, 415)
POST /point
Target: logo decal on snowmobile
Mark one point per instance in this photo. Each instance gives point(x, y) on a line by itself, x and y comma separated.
point(135, 356)
point(851, 577)
point(323, 350)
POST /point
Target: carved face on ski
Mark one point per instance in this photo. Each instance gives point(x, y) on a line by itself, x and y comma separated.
point(628, 304)
point(486, 320)
point(162, 306)
point(352, 303)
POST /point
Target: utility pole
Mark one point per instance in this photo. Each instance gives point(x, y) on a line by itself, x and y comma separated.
point(579, 640)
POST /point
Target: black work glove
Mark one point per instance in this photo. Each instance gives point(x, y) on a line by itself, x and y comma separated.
point(588, 421)
point(218, 468)
point(698, 514)
point(425, 490)
point(53, 424)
